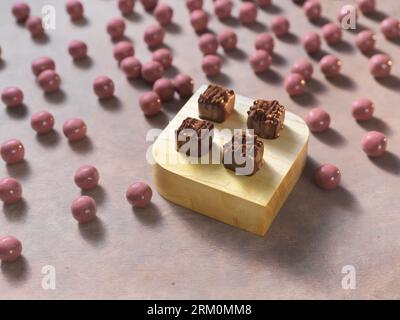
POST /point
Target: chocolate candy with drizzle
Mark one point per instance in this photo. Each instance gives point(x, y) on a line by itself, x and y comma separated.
point(216, 103)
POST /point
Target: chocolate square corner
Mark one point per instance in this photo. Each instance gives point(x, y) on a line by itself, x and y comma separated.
point(216, 103)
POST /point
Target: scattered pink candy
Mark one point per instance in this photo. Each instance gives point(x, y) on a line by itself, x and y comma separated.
point(390, 27)
point(318, 120)
point(116, 28)
point(211, 65)
point(21, 11)
point(163, 56)
point(132, 67)
point(12, 151)
point(154, 36)
point(193, 5)
point(152, 71)
point(248, 13)
point(42, 122)
point(311, 42)
point(312, 9)
point(12, 97)
point(163, 14)
point(126, 6)
point(223, 9)
point(330, 65)
point(303, 67)
point(84, 209)
point(49, 81)
point(362, 109)
point(35, 27)
point(74, 9)
point(149, 5)
point(380, 65)
point(260, 61)
point(199, 20)
point(150, 103)
point(332, 33)
point(327, 176)
point(295, 84)
point(374, 143)
point(104, 87)
point(139, 194)
point(228, 40)
point(184, 85)
point(208, 44)
point(165, 89)
point(366, 6)
point(280, 26)
point(87, 177)
point(264, 3)
point(41, 64)
point(10, 190)
point(122, 50)
point(77, 49)
point(74, 129)
point(365, 40)
point(10, 249)
point(264, 41)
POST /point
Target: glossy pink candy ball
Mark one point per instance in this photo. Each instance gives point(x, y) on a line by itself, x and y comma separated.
point(295, 84)
point(260, 61)
point(49, 81)
point(365, 40)
point(10, 249)
point(84, 209)
point(163, 14)
point(211, 65)
point(248, 13)
point(374, 143)
point(75, 9)
point(303, 67)
point(264, 41)
point(390, 27)
point(139, 194)
point(154, 36)
point(122, 50)
point(327, 176)
point(223, 9)
point(318, 120)
point(193, 5)
point(126, 6)
point(41, 64)
point(87, 177)
point(75, 129)
point(12, 151)
point(228, 40)
point(163, 56)
point(311, 42)
point(10, 190)
point(150, 103)
point(132, 67)
point(312, 9)
point(380, 65)
point(184, 85)
point(208, 44)
point(21, 11)
point(366, 6)
point(104, 87)
point(35, 27)
point(152, 71)
point(77, 49)
point(12, 97)
point(42, 122)
point(362, 109)
point(330, 65)
point(165, 89)
point(280, 26)
point(149, 5)
point(116, 28)
point(199, 20)
point(264, 3)
point(332, 33)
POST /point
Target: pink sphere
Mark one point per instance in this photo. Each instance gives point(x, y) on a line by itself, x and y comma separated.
point(152, 71)
point(295, 84)
point(10, 190)
point(327, 176)
point(21, 11)
point(330, 65)
point(365, 41)
point(49, 81)
point(374, 143)
point(332, 33)
point(41, 64)
point(311, 42)
point(42, 122)
point(132, 67)
point(312, 9)
point(150, 103)
point(380, 65)
point(163, 14)
point(165, 89)
point(366, 6)
point(126, 6)
point(264, 41)
point(318, 120)
point(84, 209)
point(390, 27)
point(362, 109)
point(199, 20)
point(228, 40)
point(208, 44)
point(211, 65)
point(223, 9)
point(248, 13)
point(184, 85)
point(77, 49)
point(122, 50)
point(303, 67)
point(154, 36)
point(74, 9)
point(280, 26)
point(34, 25)
point(74, 129)
point(260, 61)
point(104, 87)
point(263, 3)
point(10, 249)
point(12, 151)
point(116, 28)
point(139, 194)
point(163, 56)
point(87, 177)
point(193, 5)
point(149, 5)
point(12, 97)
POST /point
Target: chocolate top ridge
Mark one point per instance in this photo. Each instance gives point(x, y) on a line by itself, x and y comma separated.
point(266, 111)
point(215, 95)
point(196, 125)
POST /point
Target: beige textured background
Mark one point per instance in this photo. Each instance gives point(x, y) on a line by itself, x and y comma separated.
point(169, 252)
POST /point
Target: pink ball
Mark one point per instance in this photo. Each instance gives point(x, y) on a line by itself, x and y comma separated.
point(74, 129)
point(260, 61)
point(74, 9)
point(163, 14)
point(150, 103)
point(12, 97)
point(223, 9)
point(365, 40)
point(122, 50)
point(264, 3)
point(149, 5)
point(152, 71)
point(248, 13)
point(87, 177)
point(311, 42)
point(42, 122)
point(12, 151)
point(10, 249)
point(366, 6)
point(390, 27)
point(312, 9)
point(49, 81)
point(163, 56)
point(139, 194)
point(77, 49)
point(327, 176)
point(21, 11)
point(330, 65)
point(84, 209)
point(126, 6)
point(346, 11)
point(41, 64)
point(116, 28)
point(380, 65)
point(303, 67)
point(184, 85)
point(374, 143)
point(208, 44)
point(103, 87)
point(228, 40)
point(10, 190)
point(318, 120)
point(280, 26)
point(154, 36)
point(193, 5)
point(199, 20)
point(132, 67)
point(34, 25)
point(332, 33)
point(165, 89)
point(295, 84)
point(264, 41)
point(362, 109)
point(211, 65)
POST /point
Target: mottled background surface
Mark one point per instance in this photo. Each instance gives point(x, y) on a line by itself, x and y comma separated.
point(169, 252)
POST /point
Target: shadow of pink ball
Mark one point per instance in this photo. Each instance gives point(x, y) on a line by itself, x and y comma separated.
point(10, 190)
point(327, 176)
point(139, 194)
point(12, 151)
point(10, 249)
point(84, 209)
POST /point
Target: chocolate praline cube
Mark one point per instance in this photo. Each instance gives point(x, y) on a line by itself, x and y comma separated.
point(243, 153)
point(216, 103)
point(266, 117)
point(194, 137)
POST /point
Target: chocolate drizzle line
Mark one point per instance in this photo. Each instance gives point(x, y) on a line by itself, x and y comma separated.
point(269, 111)
point(196, 125)
point(215, 95)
